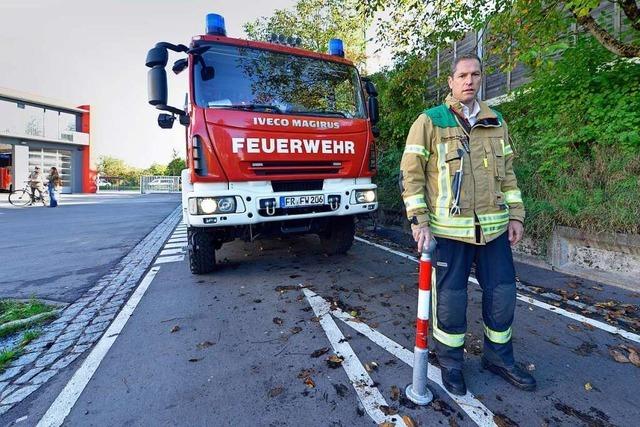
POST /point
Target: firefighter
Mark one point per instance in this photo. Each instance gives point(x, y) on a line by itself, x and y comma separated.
point(458, 185)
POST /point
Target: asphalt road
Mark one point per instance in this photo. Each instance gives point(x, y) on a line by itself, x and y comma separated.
point(236, 347)
point(57, 254)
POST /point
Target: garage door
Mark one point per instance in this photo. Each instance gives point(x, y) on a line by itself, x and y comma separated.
point(47, 158)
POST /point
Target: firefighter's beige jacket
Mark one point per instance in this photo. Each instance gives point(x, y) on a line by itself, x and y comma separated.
point(435, 150)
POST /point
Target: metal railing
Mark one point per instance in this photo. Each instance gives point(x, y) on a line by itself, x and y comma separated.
point(159, 184)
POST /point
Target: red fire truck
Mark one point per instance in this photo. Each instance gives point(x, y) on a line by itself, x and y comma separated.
point(280, 140)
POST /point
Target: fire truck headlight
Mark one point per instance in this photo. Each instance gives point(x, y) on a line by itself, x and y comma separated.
point(226, 204)
point(208, 206)
point(365, 196)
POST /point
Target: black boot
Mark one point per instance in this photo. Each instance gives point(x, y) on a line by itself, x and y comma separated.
point(516, 375)
point(453, 381)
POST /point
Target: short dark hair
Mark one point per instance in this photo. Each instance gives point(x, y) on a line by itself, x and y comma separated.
point(464, 57)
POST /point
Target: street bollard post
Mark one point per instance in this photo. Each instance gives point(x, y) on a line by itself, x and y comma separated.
point(418, 391)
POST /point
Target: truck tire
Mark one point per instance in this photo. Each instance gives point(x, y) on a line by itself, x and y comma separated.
point(202, 252)
point(338, 238)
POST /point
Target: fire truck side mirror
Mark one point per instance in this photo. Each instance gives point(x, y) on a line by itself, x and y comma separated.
point(374, 113)
point(157, 86)
point(158, 56)
point(165, 121)
point(370, 88)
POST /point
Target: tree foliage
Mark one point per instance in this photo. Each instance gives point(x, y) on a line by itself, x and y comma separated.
point(525, 30)
point(316, 22)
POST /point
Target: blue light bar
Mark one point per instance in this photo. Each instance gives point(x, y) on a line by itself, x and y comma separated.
point(336, 47)
point(215, 25)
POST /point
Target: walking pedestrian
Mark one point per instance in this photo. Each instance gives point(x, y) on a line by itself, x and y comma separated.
point(54, 186)
point(36, 182)
point(458, 185)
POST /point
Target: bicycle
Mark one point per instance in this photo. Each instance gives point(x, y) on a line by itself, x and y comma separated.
point(25, 197)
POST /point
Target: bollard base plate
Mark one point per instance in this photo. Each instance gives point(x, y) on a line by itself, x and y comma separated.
point(418, 399)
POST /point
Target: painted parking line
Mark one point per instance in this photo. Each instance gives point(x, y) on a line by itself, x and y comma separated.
point(525, 298)
point(369, 395)
point(180, 244)
point(172, 258)
point(68, 397)
point(479, 413)
point(171, 251)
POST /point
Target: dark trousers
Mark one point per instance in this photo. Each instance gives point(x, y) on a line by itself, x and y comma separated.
point(495, 272)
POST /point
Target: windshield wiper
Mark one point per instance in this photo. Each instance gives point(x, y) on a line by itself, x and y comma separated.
point(250, 107)
point(320, 113)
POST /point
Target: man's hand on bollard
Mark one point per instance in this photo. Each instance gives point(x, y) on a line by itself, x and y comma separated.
point(421, 235)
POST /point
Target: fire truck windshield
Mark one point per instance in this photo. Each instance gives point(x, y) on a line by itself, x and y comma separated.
point(262, 80)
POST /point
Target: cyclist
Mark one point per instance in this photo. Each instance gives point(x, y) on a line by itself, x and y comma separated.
point(36, 182)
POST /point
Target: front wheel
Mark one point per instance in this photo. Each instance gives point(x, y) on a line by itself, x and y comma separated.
point(20, 198)
point(202, 252)
point(338, 238)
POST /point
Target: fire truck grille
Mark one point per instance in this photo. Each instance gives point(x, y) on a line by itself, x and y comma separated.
point(287, 186)
point(295, 168)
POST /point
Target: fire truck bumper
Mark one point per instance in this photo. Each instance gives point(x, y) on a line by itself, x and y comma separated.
point(244, 203)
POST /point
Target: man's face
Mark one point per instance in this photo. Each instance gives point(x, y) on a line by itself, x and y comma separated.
point(466, 80)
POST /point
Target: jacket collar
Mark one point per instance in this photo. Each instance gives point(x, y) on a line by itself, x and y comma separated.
point(485, 116)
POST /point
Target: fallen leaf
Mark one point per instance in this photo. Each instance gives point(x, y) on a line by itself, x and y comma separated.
point(315, 319)
point(296, 330)
point(309, 382)
point(277, 321)
point(370, 366)
point(504, 421)
point(618, 356)
point(276, 391)
point(634, 357)
point(395, 392)
point(574, 328)
point(306, 373)
point(588, 387)
point(257, 301)
point(409, 421)
point(388, 410)
point(175, 328)
point(334, 361)
point(588, 326)
point(354, 313)
point(195, 359)
point(387, 424)
point(453, 422)
point(204, 344)
point(319, 352)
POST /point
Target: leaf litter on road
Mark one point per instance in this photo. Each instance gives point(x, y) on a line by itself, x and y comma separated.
point(175, 328)
point(334, 361)
point(319, 352)
point(204, 344)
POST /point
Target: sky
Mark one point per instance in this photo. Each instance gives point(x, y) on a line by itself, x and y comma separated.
point(93, 52)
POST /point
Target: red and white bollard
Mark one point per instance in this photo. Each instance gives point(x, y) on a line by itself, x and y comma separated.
point(417, 391)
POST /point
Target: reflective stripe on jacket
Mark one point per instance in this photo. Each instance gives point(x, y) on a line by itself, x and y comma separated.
point(436, 149)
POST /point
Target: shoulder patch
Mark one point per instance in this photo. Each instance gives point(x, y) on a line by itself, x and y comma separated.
point(441, 117)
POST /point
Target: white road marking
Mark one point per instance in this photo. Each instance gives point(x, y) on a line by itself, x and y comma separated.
point(369, 395)
point(68, 397)
point(595, 323)
point(181, 240)
point(171, 251)
point(172, 258)
point(176, 245)
point(468, 403)
point(580, 318)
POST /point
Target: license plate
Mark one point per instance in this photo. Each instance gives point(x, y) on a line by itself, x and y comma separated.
point(296, 201)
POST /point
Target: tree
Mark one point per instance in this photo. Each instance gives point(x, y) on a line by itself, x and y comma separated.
point(175, 166)
point(533, 28)
point(316, 22)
